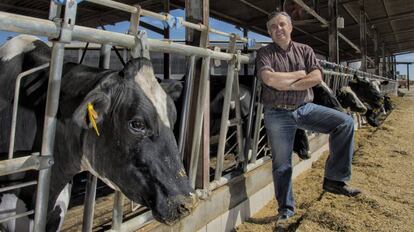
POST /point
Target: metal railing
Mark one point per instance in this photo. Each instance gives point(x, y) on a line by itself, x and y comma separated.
point(66, 32)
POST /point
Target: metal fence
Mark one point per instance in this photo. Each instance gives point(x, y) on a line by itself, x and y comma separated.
point(250, 149)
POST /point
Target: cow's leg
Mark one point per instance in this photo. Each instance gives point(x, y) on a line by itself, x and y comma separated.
point(56, 216)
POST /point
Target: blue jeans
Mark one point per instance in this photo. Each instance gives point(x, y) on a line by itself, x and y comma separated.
point(281, 126)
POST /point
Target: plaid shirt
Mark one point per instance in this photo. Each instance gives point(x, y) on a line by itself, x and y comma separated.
point(295, 58)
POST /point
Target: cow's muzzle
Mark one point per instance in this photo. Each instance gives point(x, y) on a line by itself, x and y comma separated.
point(184, 206)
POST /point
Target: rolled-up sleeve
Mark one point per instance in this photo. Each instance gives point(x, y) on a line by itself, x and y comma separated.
point(310, 61)
point(263, 62)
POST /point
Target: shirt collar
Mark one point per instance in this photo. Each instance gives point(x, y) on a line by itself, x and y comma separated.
point(279, 49)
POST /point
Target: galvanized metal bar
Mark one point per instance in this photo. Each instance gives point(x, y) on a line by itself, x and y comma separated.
point(195, 149)
point(188, 90)
point(89, 207)
point(49, 128)
point(236, 99)
point(117, 211)
point(257, 125)
point(248, 142)
point(8, 188)
point(161, 17)
point(32, 162)
point(16, 216)
point(41, 27)
point(226, 111)
point(16, 103)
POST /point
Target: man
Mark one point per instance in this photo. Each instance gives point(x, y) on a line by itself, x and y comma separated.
point(288, 71)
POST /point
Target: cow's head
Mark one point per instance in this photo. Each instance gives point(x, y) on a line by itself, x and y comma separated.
point(350, 101)
point(136, 151)
point(367, 91)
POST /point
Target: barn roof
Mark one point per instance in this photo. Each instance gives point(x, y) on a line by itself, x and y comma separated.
point(392, 19)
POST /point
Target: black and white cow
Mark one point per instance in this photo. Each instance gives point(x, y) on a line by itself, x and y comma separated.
point(135, 151)
point(369, 92)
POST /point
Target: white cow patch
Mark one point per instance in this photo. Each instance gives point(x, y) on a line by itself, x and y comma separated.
point(16, 46)
point(86, 166)
point(357, 100)
point(63, 202)
point(326, 87)
point(145, 78)
point(11, 205)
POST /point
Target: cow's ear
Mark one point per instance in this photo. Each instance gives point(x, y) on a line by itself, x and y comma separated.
point(98, 103)
point(136, 66)
point(173, 89)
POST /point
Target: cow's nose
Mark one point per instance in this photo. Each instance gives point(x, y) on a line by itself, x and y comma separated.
point(187, 204)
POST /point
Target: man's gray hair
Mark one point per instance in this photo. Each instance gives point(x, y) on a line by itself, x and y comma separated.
point(276, 13)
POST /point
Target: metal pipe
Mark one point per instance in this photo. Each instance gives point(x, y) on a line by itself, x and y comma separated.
point(188, 90)
point(224, 119)
point(161, 17)
point(8, 188)
point(89, 207)
point(257, 125)
point(41, 27)
point(32, 162)
point(117, 211)
point(248, 142)
point(16, 216)
point(52, 103)
point(205, 72)
point(16, 103)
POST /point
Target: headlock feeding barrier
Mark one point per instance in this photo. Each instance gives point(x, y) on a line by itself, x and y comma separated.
point(250, 149)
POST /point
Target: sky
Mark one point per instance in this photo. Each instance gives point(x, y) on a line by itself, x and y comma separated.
point(178, 34)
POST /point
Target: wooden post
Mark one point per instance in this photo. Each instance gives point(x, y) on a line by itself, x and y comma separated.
point(362, 35)
point(197, 11)
point(333, 31)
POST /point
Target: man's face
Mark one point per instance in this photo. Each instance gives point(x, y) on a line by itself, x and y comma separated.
point(279, 28)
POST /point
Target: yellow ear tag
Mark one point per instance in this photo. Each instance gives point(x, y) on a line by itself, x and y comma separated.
point(92, 116)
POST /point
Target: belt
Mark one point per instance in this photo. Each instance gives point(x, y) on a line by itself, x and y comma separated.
point(286, 107)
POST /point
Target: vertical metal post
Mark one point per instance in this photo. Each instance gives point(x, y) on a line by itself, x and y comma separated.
point(408, 77)
point(248, 142)
point(188, 89)
point(245, 51)
point(195, 148)
point(49, 128)
point(167, 65)
point(236, 99)
point(117, 211)
point(52, 104)
point(333, 31)
point(362, 34)
point(384, 64)
point(226, 110)
point(257, 125)
point(376, 51)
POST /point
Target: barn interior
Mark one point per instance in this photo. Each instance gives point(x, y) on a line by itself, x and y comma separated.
point(332, 28)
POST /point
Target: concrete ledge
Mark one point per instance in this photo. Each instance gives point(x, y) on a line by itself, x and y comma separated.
point(230, 205)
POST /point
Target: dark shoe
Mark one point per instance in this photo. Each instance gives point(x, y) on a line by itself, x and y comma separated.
point(339, 187)
point(282, 217)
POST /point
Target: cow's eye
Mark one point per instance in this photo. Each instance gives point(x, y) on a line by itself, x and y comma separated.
point(137, 126)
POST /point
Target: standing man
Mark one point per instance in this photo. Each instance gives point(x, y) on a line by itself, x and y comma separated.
point(288, 71)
